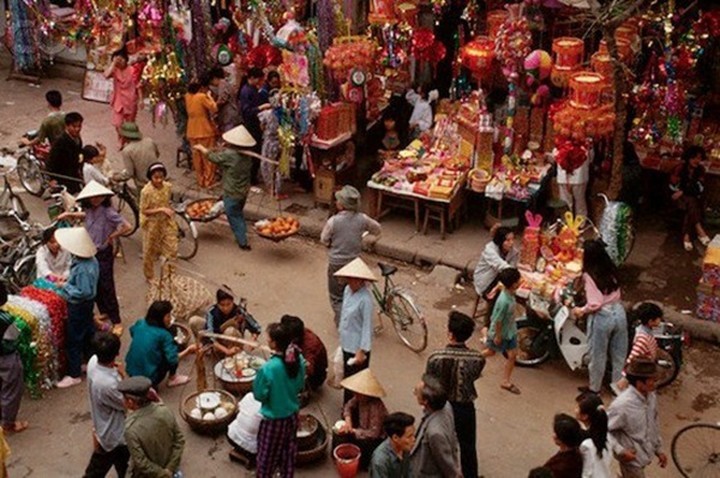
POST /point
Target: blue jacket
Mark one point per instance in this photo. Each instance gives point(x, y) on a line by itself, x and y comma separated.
point(82, 282)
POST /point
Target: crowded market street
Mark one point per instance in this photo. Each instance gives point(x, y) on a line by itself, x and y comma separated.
point(514, 431)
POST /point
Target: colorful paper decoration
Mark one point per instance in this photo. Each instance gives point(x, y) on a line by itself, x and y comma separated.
point(478, 55)
point(585, 89)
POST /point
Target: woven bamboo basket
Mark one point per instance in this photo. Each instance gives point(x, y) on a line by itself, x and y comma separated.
point(208, 427)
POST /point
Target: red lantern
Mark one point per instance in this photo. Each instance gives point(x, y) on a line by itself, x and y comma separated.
point(602, 63)
point(478, 55)
point(585, 89)
point(624, 48)
point(568, 56)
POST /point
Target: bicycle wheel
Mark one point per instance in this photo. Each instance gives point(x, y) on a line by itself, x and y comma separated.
point(668, 369)
point(187, 237)
point(24, 272)
point(409, 323)
point(533, 345)
point(31, 176)
point(128, 208)
point(696, 450)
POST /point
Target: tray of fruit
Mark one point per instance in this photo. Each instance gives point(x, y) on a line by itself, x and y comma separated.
point(204, 210)
point(277, 229)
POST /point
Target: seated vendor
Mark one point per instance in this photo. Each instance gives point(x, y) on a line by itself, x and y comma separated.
point(316, 359)
point(242, 432)
point(228, 318)
point(363, 415)
point(52, 262)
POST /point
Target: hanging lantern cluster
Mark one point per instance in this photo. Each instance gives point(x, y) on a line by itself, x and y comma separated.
point(584, 114)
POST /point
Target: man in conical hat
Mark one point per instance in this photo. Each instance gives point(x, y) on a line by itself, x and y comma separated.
point(356, 318)
point(236, 165)
point(363, 415)
point(80, 290)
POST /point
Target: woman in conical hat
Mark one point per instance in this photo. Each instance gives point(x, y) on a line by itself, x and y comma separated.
point(104, 224)
point(236, 165)
point(356, 318)
point(363, 415)
point(80, 291)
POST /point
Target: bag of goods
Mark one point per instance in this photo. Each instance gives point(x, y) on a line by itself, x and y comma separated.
point(531, 240)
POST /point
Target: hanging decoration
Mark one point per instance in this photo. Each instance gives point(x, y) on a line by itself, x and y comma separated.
point(512, 45)
point(477, 56)
point(569, 53)
point(26, 53)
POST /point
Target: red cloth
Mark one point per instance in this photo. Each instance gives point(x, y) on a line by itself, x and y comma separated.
point(317, 360)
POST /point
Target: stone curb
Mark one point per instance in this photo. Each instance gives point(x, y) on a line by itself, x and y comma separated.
point(311, 229)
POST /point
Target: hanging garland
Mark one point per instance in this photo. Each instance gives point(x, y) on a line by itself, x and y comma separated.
point(26, 54)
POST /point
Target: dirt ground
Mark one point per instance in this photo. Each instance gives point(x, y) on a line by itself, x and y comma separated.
point(514, 432)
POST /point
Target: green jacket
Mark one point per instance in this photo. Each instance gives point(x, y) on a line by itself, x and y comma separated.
point(276, 390)
point(237, 170)
point(152, 351)
point(155, 441)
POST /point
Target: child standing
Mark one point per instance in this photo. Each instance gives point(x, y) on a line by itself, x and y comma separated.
point(93, 159)
point(644, 344)
point(567, 462)
point(502, 336)
point(157, 219)
point(595, 448)
point(80, 291)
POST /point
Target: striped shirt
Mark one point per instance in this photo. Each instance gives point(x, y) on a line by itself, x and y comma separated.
point(644, 344)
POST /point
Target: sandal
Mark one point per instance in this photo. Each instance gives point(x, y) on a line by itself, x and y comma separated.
point(688, 246)
point(178, 380)
point(16, 427)
point(512, 388)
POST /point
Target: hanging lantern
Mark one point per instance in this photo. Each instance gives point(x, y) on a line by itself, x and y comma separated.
point(586, 88)
point(407, 12)
point(602, 63)
point(495, 19)
point(624, 48)
point(631, 32)
point(478, 55)
point(569, 53)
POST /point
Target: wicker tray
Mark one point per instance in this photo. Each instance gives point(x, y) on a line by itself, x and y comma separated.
point(208, 427)
point(236, 385)
point(273, 237)
point(209, 217)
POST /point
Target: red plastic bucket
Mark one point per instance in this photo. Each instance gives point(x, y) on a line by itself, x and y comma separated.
point(347, 460)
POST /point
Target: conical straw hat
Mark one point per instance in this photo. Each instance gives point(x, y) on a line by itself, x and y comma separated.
point(356, 269)
point(239, 136)
point(76, 240)
point(94, 189)
point(364, 383)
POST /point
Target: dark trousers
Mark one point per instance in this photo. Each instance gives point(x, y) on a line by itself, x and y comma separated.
point(693, 214)
point(80, 330)
point(106, 298)
point(11, 388)
point(465, 428)
point(162, 371)
point(336, 288)
point(352, 370)
point(101, 461)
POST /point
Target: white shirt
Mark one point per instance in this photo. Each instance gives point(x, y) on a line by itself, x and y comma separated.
point(47, 264)
point(244, 429)
point(593, 465)
point(422, 112)
point(93, 173)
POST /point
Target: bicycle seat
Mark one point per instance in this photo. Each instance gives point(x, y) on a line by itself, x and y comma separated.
point(387, 270)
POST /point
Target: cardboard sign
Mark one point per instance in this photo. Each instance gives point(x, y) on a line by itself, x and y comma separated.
point(96, 87)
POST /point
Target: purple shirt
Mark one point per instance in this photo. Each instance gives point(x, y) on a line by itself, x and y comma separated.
point(100, 222)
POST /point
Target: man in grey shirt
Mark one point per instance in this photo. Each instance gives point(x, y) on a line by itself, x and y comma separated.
point(343, 234)
point(138, 154)
point(633, 421)
point(107, 409)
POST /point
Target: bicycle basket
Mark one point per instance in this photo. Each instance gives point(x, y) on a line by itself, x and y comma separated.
point(10, 227)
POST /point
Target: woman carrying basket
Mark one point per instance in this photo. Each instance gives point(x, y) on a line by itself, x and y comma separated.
point(236, 167)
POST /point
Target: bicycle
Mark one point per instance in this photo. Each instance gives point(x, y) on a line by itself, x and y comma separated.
point(696, 450)
point(18, 243)
point(400, 307)
point(31, 165)
point(127, 204)
point(9, 200)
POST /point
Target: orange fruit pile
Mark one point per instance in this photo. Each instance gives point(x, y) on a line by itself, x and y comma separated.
point(280, 226)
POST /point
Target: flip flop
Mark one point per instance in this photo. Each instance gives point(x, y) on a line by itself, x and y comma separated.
point(512, 388)
point(17, 427)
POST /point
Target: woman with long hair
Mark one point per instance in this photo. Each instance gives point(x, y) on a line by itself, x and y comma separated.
point(276, 386)
point(595, 448)
point(499, 254)
point(153, 352)
point(607, 326)
point(687, 186)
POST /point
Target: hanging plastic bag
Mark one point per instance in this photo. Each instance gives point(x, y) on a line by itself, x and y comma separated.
point(337, 368)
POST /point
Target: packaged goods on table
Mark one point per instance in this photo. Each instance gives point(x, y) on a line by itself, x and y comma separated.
point(708, 290)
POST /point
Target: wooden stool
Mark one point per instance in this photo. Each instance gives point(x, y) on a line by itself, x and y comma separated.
point(436, 212)
point(179, 158)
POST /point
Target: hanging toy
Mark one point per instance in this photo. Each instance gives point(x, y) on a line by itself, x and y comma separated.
point(616, 230)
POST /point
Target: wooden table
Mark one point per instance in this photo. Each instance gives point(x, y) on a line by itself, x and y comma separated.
point(446, 211)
